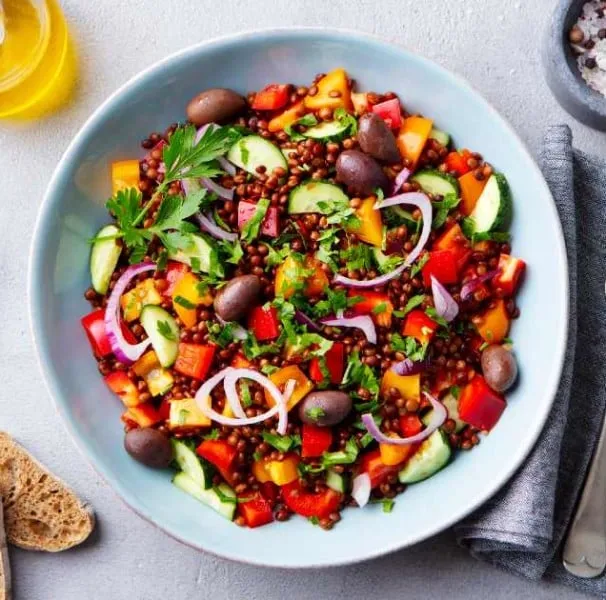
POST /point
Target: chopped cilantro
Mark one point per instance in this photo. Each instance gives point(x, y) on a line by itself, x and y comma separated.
point(194, 263)
point(379, 308)
point(346, 119)
point(314, 520)
point(490, 236)
point(455, 390)
point(269, 369)
point(366, 440)
point(222, 335)
point(358, 256)
point(409, 346)
point(326, 252)
point(410, 305)
point(164, 329)
point(245, 396)
point(162, 260)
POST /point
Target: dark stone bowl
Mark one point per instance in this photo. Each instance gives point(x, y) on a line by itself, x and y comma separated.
point(561, 71)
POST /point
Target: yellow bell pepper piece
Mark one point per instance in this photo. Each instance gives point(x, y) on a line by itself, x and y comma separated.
point(495, 323)
point(412, 137)
point(146, 363)
point(409, 386)
point(259, 470)
point(281, 377)
point(291, 276)
point(393, 455)
point(360, 102)
point(143, 293)
point(186, 292)
point(288, 117)
point(280, 472)
point(335, 81)
point(125, 174)
point(158, 380)
point(185, 414)
point(371, 225)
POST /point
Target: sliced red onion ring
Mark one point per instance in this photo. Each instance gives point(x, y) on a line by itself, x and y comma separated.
point(363, 322)
point(473, 284)
point(409, 367)
point(238, 332)
point(400, 180)
point(438, 416)
point(303, 319)
point(422, 202)
point(231, 393)
point(360, 489)
point(208, 224)
point(126, 353)
point(445, 305)
point(291, 384)
point(221, 191)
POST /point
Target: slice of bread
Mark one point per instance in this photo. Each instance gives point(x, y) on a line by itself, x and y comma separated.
point(40, 511)
point(5, 569)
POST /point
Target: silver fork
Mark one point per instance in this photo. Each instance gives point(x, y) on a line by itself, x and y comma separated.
point(584, 552)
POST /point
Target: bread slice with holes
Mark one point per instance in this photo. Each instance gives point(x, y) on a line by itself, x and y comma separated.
point(40, 511)
point(5, 568)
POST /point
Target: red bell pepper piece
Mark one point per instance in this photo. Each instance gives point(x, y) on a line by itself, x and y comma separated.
point(94, 326)
point(419, 326)
point(378, 472)
point(390, 112)
point(376, 304)
point(480, 405)
point(457, 162)
point(442, 265)
point(308, 504)
point(164, 409)
point(255, 509)
point(271, 222)
point(444, 380)
point(144, 415)
point(410, 424)
point(119, 383)
point(270, 491)
point(455, 241)
point(194, 360)
point(264, 323)
point(315, 440)
point(335, 363)
point(218, 452)
point(511, 273)
point(271, 97)
point(174, 273)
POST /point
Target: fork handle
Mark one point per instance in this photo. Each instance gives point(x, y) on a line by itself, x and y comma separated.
point(584, 552)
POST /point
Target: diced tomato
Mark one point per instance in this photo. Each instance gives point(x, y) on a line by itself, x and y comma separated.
point(144, 415)
point(194, 360)
point(378, 472)
point(334, 360)
point(270, 224)
point(480, 405)
point(455, 241)
point(376, 304)
point(174, 273)
point(511, 271)
point(94, 326)
point(308, 504)
point(442, 265)
point(120, 383)
point(419, 326)
point(410, 424)
point(218, 452)
point(272, 97)
point(255, 509)
point(264, 323)
point(457, 162)
point(390, 112)
point(315, 440)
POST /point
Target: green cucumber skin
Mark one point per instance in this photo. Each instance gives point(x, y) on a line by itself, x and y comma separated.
point(104, 257)
point(440, 136)
point(303, 199)
point(190, 464)
point(327, 131)
point(260, 152)
point(448, 180)
point(165, 349)
point(423, 464)
point(502, 219)
point(209, 497)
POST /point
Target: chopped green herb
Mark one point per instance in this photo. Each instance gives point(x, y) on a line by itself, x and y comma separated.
point(314, 520)
point(165, 331)
point(371, 406)
point(379, 308)
point(455, 390)
point(213, 434)
point(360, 374)
point(327, 253)
point(342, 457)
point(251, 229)
point(305, 121)
point(432, 313)
point(245, 396)
point(346, 119)
point(409, 346)
point(257, 456)
point(388, 504)
point(282, 443)
point(162, 260)
point(358, 256)
point(442, 208)
point(231, 252)
point(222, 335)
point(421, 262)
point(507, 340)
point(184, 302)
point(269, 369)
point(366, 440)
point(410, 305)
point(194, 262)
point(315, 413)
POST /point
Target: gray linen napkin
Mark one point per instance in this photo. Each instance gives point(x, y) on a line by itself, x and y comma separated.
point(522, 527)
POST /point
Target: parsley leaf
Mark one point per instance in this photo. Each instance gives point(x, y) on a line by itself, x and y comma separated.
point(408, 346)
point(442, 208)
point(342, 457)
point(416, 268)
point(165, 330)
point(282, 443)
point(359, 373)
point(315, 413)
point(412, 303)
point(326, 252)
point(358, 256)
point(213, 434)
point(305, 121)
point(432, 313)
point(346, 120)
point(251, 229)
point(336, 301)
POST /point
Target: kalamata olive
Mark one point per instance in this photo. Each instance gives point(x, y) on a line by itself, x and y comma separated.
point(376, 139)
point(149, 446)
point(237, 297)
point(324, 408)
point(499, 367)
point(360, 173)
point(214, 106)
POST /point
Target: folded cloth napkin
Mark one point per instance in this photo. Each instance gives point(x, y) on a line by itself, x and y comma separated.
point(521, 529)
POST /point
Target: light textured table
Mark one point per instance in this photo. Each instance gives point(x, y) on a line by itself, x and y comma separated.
point(492, 43)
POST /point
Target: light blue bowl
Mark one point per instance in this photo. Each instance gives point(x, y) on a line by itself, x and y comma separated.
point(73, 210)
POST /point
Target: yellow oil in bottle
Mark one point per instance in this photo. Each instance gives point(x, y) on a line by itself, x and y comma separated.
point(37, 59)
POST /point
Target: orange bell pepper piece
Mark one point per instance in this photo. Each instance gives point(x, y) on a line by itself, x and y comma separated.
point(142, 294)
point(335, 81)
point(471, 190)
point(412, 137)
point(144, 415)
point(291, 276)
point(125, 174)
point(185, 298)
point(370, 229)
point(394, 455)
point(279, 472)
point(495, 323)
point(286, 118)
point(281, 377)
point(409, 386)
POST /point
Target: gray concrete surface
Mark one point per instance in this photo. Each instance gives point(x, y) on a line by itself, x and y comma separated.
point(492, 43)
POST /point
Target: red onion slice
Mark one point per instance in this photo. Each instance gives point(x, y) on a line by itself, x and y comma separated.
point(221, 191)
point(303, 319)
point(409, 367)
point(208, 224)
point(438, 416)
point(421, 201)
point(126, 353)
point(291, 384)
point(360, 489)
point(231, 394)
point(400, 180)
point(473, 284)
point(445, 305)
point(363, 322)
point(227, 166)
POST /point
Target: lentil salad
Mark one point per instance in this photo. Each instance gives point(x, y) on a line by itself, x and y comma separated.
point(304, 300)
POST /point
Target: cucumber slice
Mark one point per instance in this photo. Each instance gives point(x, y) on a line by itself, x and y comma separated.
point(163, 332)
point(209, 497)
point(452, 406)
point(493, 209)
point(436, 183)
point(104, 258)
point(328, 130)
point(254, 151)
point(202, 253)
point(306, 198)
point(335, 481)
point(433, 454)
point(440, 136)
point(190, 464)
